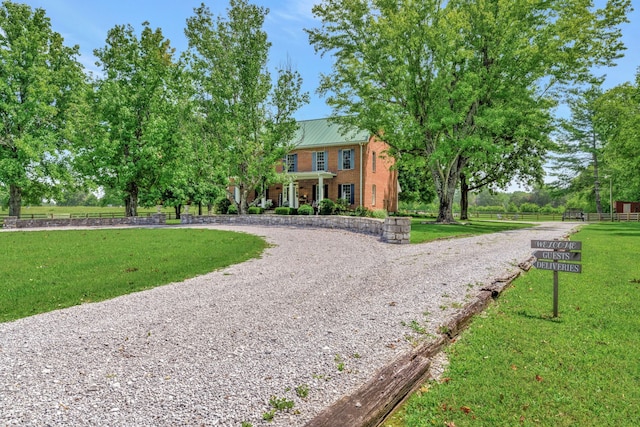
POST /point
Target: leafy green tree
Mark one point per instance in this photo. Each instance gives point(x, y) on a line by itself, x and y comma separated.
point(581, 144)
point(414, 179)
point(618, 109)
point(457, 82)
point(248, 116)
point(38, 76)
point(130, 126)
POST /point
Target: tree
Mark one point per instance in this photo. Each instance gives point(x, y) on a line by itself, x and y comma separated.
point(581, 143)
point(130, 125)
point(455, 82)
point(38, 75)
point(618, 109)
point(248, 116)
point(414, 180)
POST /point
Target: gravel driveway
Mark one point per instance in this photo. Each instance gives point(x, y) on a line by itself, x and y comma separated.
point(319, 312)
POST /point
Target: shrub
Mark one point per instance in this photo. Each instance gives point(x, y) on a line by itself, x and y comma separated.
point(221, 206)
point(255, 210)
point(232, 210)
point(283, 210)
point(305, 210)
point(327, 207)
point(341, 206)
point(362, 211)
point(379, 213)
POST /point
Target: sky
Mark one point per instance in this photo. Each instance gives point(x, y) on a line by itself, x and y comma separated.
point(86, 23)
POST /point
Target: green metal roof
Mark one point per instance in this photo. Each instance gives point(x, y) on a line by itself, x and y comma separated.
point(322, 133)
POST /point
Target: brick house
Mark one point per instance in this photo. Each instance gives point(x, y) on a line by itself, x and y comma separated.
point(327, 164)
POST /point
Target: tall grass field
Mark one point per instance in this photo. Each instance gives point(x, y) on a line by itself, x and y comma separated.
point(517, 365)
point(52, 269)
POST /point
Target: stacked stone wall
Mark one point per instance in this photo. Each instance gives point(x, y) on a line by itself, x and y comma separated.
point(13, 222)
point(391, 230)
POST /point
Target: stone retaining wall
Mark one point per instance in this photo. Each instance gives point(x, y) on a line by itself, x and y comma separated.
point(391, 230)
point(14, 222)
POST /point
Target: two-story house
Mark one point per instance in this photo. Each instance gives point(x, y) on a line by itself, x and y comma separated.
point(327, 164)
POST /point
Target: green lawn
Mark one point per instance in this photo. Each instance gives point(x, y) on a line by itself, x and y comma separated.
point(47, 270)
point(425, 230)
point(517, 365)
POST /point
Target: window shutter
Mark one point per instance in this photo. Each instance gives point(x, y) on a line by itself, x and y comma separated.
point(353, 159)
point(295, 163)
point(326, 161)
point(353, 193)
point(340, 191)
point(340, 160)
point(314, 161)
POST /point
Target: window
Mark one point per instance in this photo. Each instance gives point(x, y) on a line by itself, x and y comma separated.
point(319, 161)
point(373, 162)
point(292, 163)
point(373, 195)
point(346, 191)
point(346, 159)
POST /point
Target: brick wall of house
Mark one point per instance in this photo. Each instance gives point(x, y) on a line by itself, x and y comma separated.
point(384, 178)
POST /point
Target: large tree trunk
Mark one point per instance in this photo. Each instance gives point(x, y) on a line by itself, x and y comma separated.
point(131, 200)
point(446, 181)
point(15, 200)
point(464, 197)
point(243, 205)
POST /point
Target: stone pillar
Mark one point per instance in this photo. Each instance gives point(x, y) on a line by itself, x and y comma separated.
point(396, 230)
point(159, 219)
point(186, 218)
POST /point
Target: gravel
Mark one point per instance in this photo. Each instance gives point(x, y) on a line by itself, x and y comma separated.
point(319, 312)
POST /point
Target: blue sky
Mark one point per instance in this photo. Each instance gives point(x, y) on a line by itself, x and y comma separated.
point(86, 22)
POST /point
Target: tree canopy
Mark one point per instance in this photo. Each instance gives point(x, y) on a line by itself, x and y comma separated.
point(38, 76)
point(618, 110)
point(248, 117)
point(464, 84)
point(129, 131)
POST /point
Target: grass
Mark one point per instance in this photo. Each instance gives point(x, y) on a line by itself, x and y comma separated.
point(47, 270)
point(517, 365)
point(426, 231)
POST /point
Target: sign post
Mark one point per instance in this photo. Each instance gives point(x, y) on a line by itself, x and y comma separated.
point(549, 257)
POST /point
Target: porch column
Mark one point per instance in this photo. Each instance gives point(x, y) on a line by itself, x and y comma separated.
point(320, 188)
point(236, 194)
point(291, 195)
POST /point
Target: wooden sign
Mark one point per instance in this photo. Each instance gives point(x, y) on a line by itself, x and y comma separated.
point(558, 266)
point(567, 245)
point(548, 259)
point(558, 256)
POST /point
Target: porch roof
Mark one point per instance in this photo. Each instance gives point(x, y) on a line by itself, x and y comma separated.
point(310, 175)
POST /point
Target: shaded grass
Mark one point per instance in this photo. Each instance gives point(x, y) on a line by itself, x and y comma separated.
point(47, 270)
point(516, 365)
point(426, 231)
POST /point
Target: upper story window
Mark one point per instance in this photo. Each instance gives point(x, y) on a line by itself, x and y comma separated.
point(346, 159)
point(291, 163)
point(373, 162)
point(319, 161)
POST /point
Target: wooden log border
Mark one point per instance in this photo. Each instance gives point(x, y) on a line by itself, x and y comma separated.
point(374, 401)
